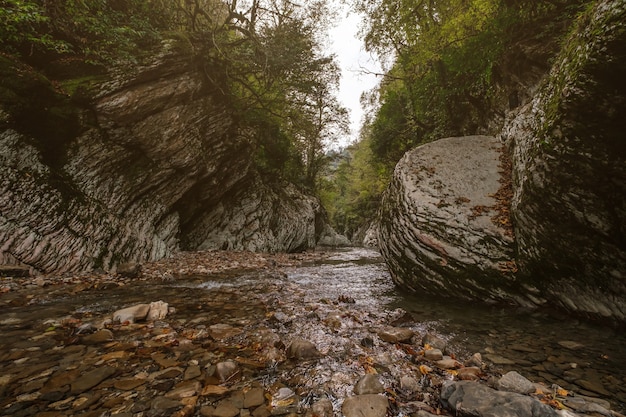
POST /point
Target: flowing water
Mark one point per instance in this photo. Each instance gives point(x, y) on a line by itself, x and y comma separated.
point(337, 304)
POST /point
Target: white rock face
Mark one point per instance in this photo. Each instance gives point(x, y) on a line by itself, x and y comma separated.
point(158, 165)
point(436, 230)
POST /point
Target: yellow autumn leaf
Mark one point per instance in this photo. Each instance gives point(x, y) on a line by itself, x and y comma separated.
point(283, 403)
point(425, 370)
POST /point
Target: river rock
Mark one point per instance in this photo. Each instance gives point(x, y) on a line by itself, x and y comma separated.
point(91, 379)
point(434, 342)
point(474, 399)
point(321, 408)
point(469, 373)
point(254, 398)
point(396, 334)
point(409, 384)
point(101, 336)
point(225, 409)
point(132, 314)
point(185, 389)
point(369, 405)
point(226, 370)
point(165, 404)
point(448, 363)
point(433, 354)
point(368, 384)
point(514, 382)
point(14, 271)
point(436, 232)
point(475, 360)
point(158, 310)
point(302, 349)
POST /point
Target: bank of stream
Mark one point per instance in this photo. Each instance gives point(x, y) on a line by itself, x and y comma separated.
point(277, 341)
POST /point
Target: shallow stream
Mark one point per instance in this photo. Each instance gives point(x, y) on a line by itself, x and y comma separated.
point(337, 304)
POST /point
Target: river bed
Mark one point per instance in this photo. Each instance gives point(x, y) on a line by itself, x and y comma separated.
point(338, 304)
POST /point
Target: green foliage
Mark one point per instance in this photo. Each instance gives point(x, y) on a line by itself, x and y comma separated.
point(443, 60)
point(99, 31)
point(24, 23)
point(351, 192)
point(445, 52)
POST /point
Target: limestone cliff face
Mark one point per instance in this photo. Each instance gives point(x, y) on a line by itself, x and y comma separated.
point(569, 192)
point(156, 164)
point(569, 159)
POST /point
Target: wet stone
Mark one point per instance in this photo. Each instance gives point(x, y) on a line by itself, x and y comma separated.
point(321, 408)
point(184, 390)
point(396, 334)
point(91, 379)
point(164, 361)
point(447, 363)
point(368, 384)
point(129, 269)
point(302, 349)
point(101, 336)
point(129, 384)
point(410, 384)
point(469, 373)
point(226, 370)
point(225, 409)
point(434, 342)
point(192, 372)
point(568, 344)
point(499, 360)
point(514, 382)
point(370, 405)
point(132, 314)
point(254, 398)
point(163, 403)
point(433, 354)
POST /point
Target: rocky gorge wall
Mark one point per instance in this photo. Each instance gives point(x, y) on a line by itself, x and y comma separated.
point(568, 202)
point(155, 163)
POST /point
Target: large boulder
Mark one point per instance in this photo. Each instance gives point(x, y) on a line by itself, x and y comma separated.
point(134, 167)
point(438, 228)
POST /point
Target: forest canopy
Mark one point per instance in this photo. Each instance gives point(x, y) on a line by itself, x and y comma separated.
point(263, 56)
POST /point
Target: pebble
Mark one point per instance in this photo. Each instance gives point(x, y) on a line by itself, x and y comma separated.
point(434, 341)
point(226, 370)
point(433, 354)
point(368, 384)
point(369, 405)
point(302, 349)
point(514, 382)
point(396, 334)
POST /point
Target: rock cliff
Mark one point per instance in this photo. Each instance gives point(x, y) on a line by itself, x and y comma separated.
point(150, 163)
point(568, 183)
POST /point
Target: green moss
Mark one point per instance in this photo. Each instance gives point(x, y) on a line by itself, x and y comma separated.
point(81, 90)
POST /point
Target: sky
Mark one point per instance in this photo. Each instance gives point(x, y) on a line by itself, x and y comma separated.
point(352, 58)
